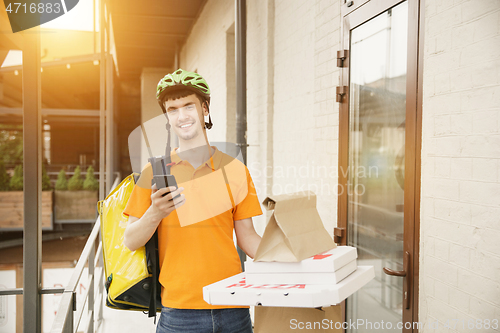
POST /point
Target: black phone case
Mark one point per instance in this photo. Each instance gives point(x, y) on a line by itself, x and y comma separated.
point(163, 181)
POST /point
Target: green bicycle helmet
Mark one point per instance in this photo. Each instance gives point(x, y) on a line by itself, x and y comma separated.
point(181, 79)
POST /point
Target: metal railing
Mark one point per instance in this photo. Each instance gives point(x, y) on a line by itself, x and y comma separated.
point(66, 321)
point(68, 317)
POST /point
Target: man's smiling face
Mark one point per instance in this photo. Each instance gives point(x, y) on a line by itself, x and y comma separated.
point(185, 115)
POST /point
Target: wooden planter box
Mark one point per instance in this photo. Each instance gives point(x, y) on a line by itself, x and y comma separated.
point(75, 206)
point(12, 210)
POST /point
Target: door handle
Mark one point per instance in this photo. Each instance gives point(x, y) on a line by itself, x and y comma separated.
point(403, 273)
point(389, 271)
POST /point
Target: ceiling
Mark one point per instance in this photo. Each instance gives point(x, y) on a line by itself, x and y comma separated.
point(76, 87)
point(147, 33)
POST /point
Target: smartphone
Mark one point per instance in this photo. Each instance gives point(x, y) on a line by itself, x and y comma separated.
point(163, 181)
point(159, 177)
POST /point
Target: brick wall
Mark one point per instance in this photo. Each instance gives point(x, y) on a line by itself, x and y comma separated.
point(460, 207)
point(292, 75)
point(206, 52)
point(260, 98)
point(325, 111)
point(151, 117)
point(293, 129)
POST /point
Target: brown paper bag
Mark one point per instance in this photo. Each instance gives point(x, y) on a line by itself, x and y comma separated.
point(295, 230)
point(284, 320)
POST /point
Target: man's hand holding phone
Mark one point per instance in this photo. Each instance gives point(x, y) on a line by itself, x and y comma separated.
point(165, 200)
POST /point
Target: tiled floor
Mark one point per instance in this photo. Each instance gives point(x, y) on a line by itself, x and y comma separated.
point(120, 321)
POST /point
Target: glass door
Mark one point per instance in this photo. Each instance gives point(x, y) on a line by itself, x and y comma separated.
point(374, 126)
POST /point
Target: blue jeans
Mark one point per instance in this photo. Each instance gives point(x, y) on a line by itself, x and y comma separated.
point(231, 320)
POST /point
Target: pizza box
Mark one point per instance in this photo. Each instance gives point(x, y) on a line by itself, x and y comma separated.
point(329, 261)
point(235, 291)
point(302, 277)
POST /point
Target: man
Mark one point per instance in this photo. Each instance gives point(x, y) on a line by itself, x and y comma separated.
point(195, 221)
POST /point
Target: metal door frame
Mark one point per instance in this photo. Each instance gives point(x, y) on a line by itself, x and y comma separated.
point(353, 15)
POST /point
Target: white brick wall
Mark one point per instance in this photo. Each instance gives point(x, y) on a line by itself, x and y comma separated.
point(291, 78)
point(324, 149)
point(260, 97)
point(206, 51)
point(293, 129)
point(149, 80)
point(293, 93)
point(149, 111)
point(460, 208)
point(292, 114)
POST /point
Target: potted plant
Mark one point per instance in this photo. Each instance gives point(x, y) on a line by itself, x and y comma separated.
point(12, 198)
point(90, 183)
point(11, 189)
point(76, 199)
point(62, 181)
point(17, 180)
point(4, 178)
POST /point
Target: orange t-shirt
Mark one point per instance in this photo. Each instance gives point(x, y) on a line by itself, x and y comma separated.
point(196, 246)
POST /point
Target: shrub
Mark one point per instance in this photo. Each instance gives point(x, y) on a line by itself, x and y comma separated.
point(75, 183)
point(62, 182)
point(11, 144)
point(16, 182)
point(90, 183)
point(45, 180)
point(4, 178)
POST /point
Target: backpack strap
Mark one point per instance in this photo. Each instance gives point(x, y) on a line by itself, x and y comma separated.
point(152, 250)
point(152, 244)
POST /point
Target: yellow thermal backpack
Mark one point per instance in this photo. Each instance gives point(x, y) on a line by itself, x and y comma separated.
point(131, 277)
